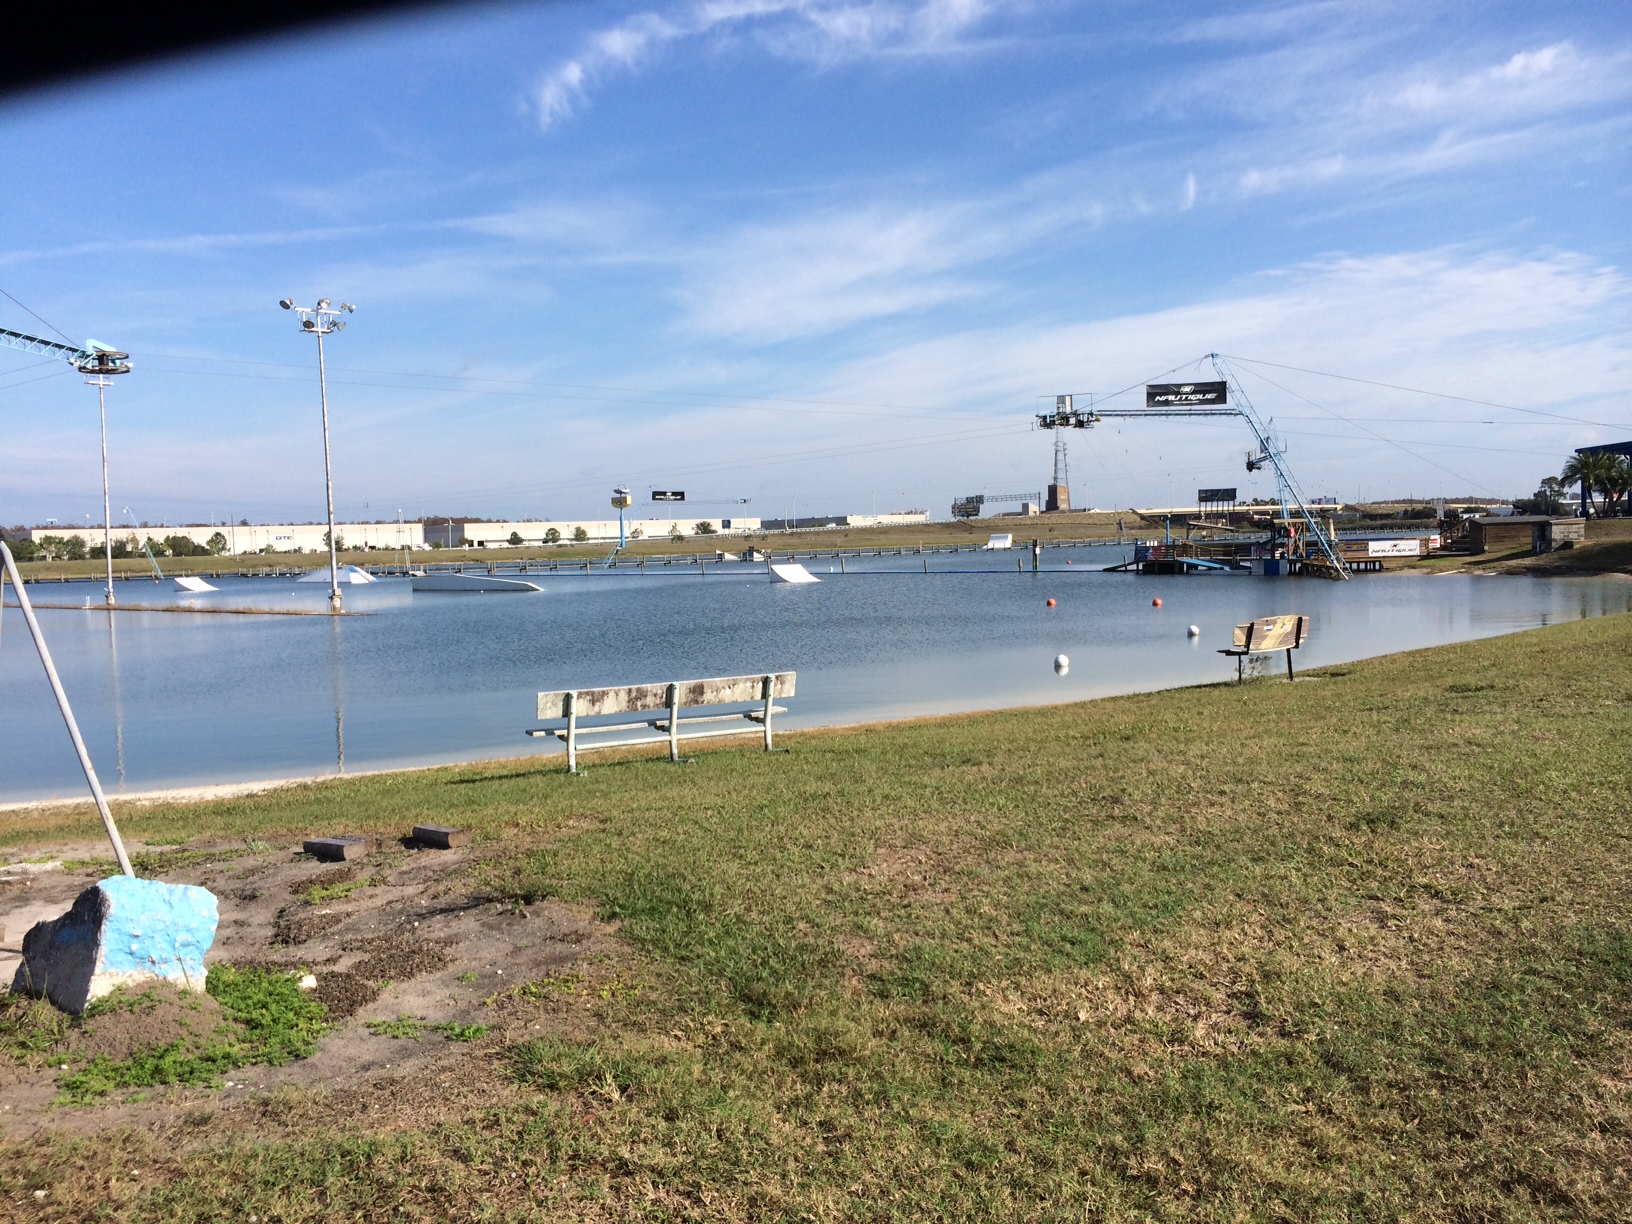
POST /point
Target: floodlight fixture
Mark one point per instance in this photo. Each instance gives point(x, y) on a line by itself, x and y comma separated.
point(287, 303)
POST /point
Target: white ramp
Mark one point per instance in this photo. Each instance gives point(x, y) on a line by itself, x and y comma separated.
point(350, 575)
point(479, 583)
point(793, 573)
point(1000, 541)
point(195, 584)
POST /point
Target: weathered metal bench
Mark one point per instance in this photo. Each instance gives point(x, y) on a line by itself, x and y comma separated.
point(1268, 633)
point(573, 705)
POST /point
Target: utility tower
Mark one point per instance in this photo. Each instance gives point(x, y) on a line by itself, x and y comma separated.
point(98, 363)
point(1064, 416)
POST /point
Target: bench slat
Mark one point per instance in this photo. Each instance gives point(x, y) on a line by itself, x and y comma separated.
point(1272, 633)
point(636, 698)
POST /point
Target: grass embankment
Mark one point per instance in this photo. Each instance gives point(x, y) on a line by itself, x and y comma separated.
point(1086, 526)
point(1354, 948)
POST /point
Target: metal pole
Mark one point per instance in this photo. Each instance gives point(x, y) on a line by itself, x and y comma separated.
point(67, 713)
point(328, 476)
point(107, 513)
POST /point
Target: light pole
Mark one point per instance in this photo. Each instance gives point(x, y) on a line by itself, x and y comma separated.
point(98, 365)
point(319, 321)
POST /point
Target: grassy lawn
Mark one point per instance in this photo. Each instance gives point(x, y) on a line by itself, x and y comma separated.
point(1354, 948)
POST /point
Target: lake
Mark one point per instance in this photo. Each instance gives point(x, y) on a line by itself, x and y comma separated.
point(170, 699)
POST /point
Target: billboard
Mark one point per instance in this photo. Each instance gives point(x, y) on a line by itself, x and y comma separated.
point(1207, 497)
point(668, 495)
point(1185, 395)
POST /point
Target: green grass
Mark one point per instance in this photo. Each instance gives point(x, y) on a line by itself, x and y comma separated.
point(403, 1028)
point(1354, 948)
point(272, 1022)
point(335, 892)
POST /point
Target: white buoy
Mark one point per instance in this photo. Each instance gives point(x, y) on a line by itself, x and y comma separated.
point(1062, 664)
point(1193, 631)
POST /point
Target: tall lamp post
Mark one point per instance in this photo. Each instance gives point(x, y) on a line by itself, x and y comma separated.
point(98, 364)
point(319, 321)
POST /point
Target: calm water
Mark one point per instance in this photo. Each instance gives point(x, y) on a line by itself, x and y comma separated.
point(173, 700)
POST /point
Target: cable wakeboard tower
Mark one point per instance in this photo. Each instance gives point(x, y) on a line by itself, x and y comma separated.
point(98, 362)
point(1224, 398)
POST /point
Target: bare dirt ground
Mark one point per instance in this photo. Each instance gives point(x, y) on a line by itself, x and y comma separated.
point(401, 934)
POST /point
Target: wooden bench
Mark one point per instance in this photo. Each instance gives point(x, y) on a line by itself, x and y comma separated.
point(573, 705)
point(1266, 634)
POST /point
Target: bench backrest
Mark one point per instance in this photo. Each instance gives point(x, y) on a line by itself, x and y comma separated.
point(1272, 633)
point(632, 698)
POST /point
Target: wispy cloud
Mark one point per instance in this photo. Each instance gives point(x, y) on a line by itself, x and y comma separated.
point(1347, 106)
point(819, 32)
point(823, 271)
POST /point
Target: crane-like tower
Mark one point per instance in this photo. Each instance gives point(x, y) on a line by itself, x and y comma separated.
point(1215, 400)
point(98, 363)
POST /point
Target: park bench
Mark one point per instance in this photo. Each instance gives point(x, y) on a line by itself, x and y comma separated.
point(1268, 633)
point(573, 705)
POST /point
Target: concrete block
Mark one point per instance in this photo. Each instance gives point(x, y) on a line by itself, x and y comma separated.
point(120, 932)
point(441, 836)
point(339, 849)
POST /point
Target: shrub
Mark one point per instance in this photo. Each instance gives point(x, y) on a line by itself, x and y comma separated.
point(675, 533)
point(703, 528)
point(217, 544)
point(552, 536)
point(515, 537)
point(580, 534)
point(23, 548)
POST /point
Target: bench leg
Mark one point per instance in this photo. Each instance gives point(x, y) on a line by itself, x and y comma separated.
point(572, 733)
point(1289, 674)
point(1239, 670)
point(674, 723)
point(770, 685)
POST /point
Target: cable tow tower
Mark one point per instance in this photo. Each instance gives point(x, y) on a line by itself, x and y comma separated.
point(98, 363)
point(1317, 550)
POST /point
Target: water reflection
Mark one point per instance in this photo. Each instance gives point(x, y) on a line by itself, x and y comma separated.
point(115, 697)
point(337, 670)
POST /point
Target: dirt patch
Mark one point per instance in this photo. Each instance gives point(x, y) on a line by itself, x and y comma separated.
point(345, 993)
point(416, 940)
point(127, 1024)
point(402, 960)
point(324, 879)
point(299, 923)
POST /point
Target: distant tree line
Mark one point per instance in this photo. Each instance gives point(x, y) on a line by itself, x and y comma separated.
point(74, 548)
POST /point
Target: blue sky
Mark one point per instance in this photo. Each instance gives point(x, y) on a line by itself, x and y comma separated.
point(825, 255)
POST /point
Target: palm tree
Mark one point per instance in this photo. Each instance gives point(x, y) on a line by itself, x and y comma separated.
point(1616, 482)
point(1592, 470)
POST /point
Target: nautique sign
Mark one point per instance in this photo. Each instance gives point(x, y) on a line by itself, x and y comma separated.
point(1185, 395)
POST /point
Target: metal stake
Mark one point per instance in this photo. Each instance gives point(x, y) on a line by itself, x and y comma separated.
point(67, 713)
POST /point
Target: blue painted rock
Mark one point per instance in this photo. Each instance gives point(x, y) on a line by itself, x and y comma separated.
point(120, 932)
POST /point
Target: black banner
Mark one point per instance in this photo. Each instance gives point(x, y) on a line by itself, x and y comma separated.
point(668, 495)
point(1209, 497)
point(1185, 395)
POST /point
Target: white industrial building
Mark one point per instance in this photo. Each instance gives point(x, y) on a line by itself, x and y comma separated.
point(393, 536)
point(256, 537)
point(468, 533)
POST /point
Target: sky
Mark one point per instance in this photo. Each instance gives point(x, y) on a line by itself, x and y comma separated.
point(822, 256)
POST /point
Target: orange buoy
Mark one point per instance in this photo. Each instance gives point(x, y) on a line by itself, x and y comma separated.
point(1156, 603)
point(1051, 603)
